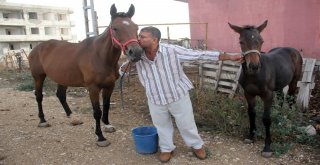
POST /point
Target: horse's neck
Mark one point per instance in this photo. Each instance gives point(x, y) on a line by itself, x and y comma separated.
point(106, 51)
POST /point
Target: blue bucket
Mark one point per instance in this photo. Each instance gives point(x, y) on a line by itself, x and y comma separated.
point(145, 139)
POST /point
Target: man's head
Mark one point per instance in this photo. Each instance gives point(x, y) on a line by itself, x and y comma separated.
point(149, 36)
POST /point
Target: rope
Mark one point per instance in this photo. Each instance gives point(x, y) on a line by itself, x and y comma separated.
point(251, 51)
point(121, 84)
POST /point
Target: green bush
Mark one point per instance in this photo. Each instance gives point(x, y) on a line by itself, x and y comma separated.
point(25, 82)
point(217, 113)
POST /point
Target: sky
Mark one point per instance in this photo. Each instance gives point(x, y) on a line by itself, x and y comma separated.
point(146, 12)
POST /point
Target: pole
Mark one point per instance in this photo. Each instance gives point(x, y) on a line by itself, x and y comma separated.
point(94, 18)
point(206, 46)
point(168, 32)
point(85, 14)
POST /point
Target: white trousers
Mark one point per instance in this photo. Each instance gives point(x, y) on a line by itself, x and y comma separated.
point(183, 114)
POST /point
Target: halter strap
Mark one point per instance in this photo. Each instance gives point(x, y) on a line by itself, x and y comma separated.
point(117, 42)
point(251, 51)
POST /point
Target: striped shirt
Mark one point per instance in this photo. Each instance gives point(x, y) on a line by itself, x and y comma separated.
point(164, 79)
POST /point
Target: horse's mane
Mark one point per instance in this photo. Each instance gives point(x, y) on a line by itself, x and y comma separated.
point(249, 27)
point(120, 14)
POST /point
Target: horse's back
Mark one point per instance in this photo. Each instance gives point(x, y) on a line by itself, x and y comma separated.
point(58, 60)
point(286, 56)
point(287, 52)
point(43, 50)
point(287, 65)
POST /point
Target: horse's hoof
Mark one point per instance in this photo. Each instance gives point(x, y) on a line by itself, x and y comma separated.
point(266, 154)
point(45, 124)
point(76, 122)
point(104, 143)
point(109, 128)
point(248, 141)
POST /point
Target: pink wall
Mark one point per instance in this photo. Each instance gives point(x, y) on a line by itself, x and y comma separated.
point(292, 23)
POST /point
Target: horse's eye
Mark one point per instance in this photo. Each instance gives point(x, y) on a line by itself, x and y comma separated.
point(115, 29)
point(241, 43)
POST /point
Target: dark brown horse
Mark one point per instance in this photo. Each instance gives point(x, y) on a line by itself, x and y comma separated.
point(263, 73)
point(92, 63)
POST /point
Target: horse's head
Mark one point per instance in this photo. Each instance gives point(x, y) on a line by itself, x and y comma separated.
point(251, 43)
point(124, 33)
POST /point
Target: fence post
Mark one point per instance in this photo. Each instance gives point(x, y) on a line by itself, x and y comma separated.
point(200, 75)
point(218, 75)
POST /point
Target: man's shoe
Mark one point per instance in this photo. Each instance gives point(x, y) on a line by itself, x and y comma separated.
point(200, 153)
point(165, 156)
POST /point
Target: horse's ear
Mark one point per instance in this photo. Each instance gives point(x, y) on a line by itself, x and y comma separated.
point(130, 12)
point(235, 28)
point(262, 26)
point(113, 10)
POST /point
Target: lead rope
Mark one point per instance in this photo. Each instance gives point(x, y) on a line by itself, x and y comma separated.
point(121, 84)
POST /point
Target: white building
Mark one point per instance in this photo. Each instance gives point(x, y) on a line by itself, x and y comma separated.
point(23, 26)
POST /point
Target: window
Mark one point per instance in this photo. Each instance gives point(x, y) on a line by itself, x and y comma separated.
point(48, 16)
point(5, 15)
point(64, 31)
point(30, 46)
point(62, 17)
point(11, 46)
point(33, 15)
point(34, 30)
point(8, 31)
point(49, 30)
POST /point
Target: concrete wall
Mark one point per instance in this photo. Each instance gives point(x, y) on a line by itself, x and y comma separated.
point(293, 23)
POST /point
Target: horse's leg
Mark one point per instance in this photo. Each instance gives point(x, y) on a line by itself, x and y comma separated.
point(106, 94)
point(291, 92)
point(38, 80)
point(280, 97)
point(94, 97)
point(61, 94)
point(251, 100)
point(293, 84)
point(266, 119)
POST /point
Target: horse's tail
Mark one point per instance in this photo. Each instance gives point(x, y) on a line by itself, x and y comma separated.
point(34, 53)
point(298, 61)
point(35, 64)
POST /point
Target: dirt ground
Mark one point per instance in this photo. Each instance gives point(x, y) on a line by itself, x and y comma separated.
point(22, 142)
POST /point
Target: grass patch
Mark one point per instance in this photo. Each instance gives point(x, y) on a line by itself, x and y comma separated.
point(27, 84)
point(23, 81)
point(217, 113)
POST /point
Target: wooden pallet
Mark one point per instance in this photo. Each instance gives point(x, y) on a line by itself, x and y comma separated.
point(221, 76)
point(307, 83)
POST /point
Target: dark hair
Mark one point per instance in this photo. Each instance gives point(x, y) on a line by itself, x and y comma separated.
point(155, 32)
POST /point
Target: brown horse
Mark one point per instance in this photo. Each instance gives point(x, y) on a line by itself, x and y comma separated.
point(92, 63)
point(263, 73)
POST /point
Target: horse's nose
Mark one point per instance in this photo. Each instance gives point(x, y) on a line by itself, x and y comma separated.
point(254, 66)
point(134, 53)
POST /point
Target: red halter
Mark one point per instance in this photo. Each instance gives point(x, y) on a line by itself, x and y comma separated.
point(122, 46)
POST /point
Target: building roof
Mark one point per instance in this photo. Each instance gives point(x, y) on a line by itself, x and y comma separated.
point(186, 1)
point(19, 6)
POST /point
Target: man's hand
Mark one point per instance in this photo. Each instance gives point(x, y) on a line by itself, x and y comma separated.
point(126, 67)
point(238, 58)
point(231, 56)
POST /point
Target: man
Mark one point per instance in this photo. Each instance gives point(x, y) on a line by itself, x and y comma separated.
point(167, 89)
